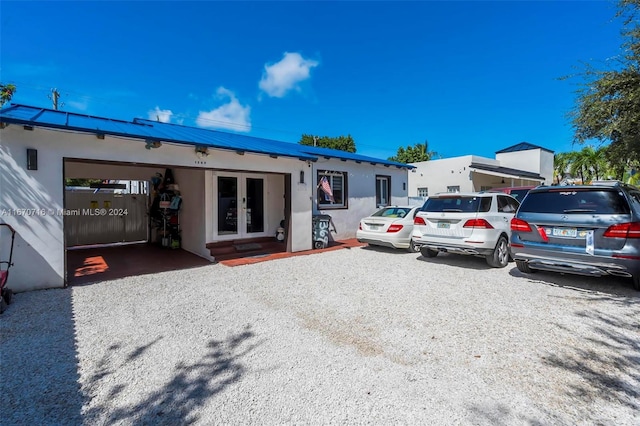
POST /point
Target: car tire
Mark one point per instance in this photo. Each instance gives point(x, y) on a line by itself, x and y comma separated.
point(427, 252)
point(413, 248)
point(524, 267)
point(636, 282)
point(7, 295)
point(500, 256)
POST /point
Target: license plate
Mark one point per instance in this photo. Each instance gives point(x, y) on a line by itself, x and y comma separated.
point(565, 232)
point(444, 225)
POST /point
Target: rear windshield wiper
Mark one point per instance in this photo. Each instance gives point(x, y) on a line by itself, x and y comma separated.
point(452, 210)
point(579, 211)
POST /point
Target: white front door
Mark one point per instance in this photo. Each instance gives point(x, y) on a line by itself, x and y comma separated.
point(240, 199)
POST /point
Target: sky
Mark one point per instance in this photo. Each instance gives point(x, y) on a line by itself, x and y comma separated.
point(467, 77)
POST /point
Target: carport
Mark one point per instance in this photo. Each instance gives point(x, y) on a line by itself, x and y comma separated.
point(109, 263)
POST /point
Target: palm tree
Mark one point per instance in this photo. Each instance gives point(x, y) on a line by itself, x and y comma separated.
point(579, 164)
point(596, 161)
point(561, 162)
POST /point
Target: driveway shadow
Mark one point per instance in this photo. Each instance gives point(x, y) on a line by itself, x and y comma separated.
point(383, 249)
point(614, 286)
point(457, 260)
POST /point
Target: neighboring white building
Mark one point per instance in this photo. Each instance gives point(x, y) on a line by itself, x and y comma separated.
point(263, 182)
point(523, 164)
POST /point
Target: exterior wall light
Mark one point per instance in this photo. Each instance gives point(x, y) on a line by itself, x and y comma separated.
point(202, 151)
point(153, 144)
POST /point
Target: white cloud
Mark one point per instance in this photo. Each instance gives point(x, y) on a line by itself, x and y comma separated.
point(231, 115)
point(283, 76)
point(162, 115)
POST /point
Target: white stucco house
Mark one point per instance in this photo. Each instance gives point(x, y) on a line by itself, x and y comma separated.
point(523, 164)
point(264, 181)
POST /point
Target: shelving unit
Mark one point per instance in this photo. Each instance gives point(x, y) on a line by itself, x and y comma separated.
point(165, 213)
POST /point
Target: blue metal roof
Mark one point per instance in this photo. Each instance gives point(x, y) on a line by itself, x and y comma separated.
point(147, 130)
point(522, 146)
point(343, 155)
point(173, 133)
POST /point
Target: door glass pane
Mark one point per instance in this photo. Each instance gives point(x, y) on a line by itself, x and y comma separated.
point(227, 205)
point(255, 205)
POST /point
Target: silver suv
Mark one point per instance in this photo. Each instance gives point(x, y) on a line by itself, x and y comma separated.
point(474, 223)
point(586, 230)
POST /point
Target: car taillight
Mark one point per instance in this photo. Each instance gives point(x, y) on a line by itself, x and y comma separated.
point(623, 230)
point(520, 225)
point(419, 221)
point(477, 223)
point(360, 226)
point(394, 228)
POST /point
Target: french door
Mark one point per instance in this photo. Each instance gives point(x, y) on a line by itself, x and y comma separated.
point(240, 205)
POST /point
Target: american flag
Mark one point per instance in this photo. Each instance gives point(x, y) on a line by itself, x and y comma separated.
point(324, 185)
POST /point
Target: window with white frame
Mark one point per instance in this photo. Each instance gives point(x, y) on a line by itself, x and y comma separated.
point(423, 192)
point(332, 189)
point(453, 188)
point(383, 191)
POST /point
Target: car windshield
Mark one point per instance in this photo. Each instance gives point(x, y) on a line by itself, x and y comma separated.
point(518, 194)
point(575, 201)
point(465, 204)
point(393, 212)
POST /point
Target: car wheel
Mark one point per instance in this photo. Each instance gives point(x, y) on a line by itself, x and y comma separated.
point(427, 252)
point(524, 267)
point(500, 256)
point(7, 295)
point(636, 282)
point(413, 248)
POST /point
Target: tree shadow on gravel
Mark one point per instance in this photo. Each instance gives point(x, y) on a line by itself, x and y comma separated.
point(612, 286)
point(604, 361)
point(191, 387)
point(496, 414)
point(457, 260)
point(39, 380)
point(606, 368)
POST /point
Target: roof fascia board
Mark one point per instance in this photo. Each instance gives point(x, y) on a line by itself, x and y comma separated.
point(10, 120)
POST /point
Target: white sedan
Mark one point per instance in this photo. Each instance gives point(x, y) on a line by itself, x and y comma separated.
point(389, 227)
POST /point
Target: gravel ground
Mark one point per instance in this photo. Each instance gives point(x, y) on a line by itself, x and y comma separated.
point(357, 336)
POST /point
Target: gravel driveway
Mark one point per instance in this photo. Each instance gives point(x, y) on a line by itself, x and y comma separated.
point(351, 336)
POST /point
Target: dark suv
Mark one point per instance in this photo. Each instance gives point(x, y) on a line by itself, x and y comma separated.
point(586, 230)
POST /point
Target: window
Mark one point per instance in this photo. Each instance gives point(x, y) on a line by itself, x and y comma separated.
point(453, 188)
point(507, 204)
point(392, 212)
point(565, 200)
point(485, 188)
point(467, 204)
point(423, 192)
point(383, 190)
point(332, 189)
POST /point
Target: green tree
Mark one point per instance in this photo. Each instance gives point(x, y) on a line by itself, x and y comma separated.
point(414, 154)
point(608, 101)
point(342, 143)
point(6, 92)
point(561, 162)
